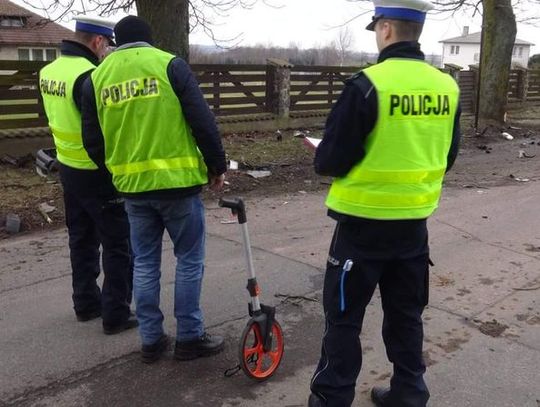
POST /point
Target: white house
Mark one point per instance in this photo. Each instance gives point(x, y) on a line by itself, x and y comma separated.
point(26, 36)
point(465, 50)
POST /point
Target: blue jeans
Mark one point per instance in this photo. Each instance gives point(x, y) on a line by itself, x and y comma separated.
point(184, 221)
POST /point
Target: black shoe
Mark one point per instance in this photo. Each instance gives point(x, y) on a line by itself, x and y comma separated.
point(129, 323)
point(315, 401)
point(380, 396)
point(151, 353)
point(206, 345)
point(87, 316)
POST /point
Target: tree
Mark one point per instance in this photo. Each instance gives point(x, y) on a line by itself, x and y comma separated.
point(499, 35)
point(344, 43)
point(171, 20)
point(534, 62)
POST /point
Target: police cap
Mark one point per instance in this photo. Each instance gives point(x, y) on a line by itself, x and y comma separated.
point(407, 10)
point(95, 25)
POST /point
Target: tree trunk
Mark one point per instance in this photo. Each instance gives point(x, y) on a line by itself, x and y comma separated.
point(499, 25)
point(170, 24)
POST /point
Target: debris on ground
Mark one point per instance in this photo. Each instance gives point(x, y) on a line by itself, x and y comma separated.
point(523, 154)
point(44, 208)
point(492, 328)
point(507, 135)
point(233, 165)
point(13, 223)
point(17, 161)
point(259, 174)
point(519, 179)
point(294, 299)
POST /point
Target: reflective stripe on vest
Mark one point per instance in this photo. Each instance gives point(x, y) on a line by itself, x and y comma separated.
point(401, 175)
point(148, 143)
point(56, 82)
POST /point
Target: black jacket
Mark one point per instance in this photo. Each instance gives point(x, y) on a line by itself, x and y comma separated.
point(354, 117)
point(197, 114)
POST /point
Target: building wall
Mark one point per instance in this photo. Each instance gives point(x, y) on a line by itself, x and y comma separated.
point(469, 54)
point(8, 53)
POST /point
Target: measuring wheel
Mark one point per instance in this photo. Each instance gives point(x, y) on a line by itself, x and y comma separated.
point(261, 345)
point(256, 362)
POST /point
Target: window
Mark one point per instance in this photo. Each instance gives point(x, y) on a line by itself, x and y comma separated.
point(520, 51)
point(476, 57)
point(37, 54)
point(24, 54)
point(50, 54)
point(454, 50)
point(12, 22)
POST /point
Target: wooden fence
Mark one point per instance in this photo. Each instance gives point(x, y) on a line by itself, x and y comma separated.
point(317, 87)
point(20, 103)
point(277, 88)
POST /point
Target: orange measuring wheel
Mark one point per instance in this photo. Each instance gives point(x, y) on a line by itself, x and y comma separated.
point(261, 345)
point(256, 362)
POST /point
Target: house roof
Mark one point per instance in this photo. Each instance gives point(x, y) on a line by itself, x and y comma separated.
point(474, 38)
point(38, 31)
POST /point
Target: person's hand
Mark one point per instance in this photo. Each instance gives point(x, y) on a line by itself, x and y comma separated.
point(216, 182)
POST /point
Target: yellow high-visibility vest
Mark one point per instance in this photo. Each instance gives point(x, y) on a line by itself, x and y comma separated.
point(56, 81)
point(402, 172)
point(148, 142)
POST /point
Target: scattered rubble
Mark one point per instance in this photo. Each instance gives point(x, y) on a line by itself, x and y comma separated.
point(259, 173)
point(44, 208)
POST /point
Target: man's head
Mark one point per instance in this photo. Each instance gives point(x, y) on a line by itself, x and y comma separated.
point(398, 20)
point(132, 29)
point(96, 33)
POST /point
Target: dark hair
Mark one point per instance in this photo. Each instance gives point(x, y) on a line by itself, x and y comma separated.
point(132, 29)
point(84, 37)
point(406, 30)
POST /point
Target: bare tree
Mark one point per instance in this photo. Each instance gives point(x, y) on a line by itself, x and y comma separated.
point(344, 43)
point(171, 20)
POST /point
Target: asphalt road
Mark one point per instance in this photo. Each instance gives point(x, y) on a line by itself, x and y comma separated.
point(482, 325)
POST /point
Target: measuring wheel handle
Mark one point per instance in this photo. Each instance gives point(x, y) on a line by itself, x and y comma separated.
point(237, 207)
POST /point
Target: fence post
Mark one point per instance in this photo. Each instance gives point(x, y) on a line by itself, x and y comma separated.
point(475, 100)
point(278, 87)
point(522, 84)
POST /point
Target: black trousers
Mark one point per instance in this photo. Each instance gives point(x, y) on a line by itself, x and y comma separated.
point(395, 256)
point(93, 221)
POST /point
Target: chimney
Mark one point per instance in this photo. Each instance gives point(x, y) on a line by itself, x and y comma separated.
point(465, 30)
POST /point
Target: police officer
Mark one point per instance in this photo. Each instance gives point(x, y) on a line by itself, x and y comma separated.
point(146, 120)
point(94, 213)
point(389, 140)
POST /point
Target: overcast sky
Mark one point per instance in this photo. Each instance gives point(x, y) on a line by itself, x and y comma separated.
point(309, 23)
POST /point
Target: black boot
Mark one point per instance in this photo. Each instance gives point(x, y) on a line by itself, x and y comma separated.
point(380, 396)
point(315, 401)
point(206, 345)
point(129, 323)
point(151, 353)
